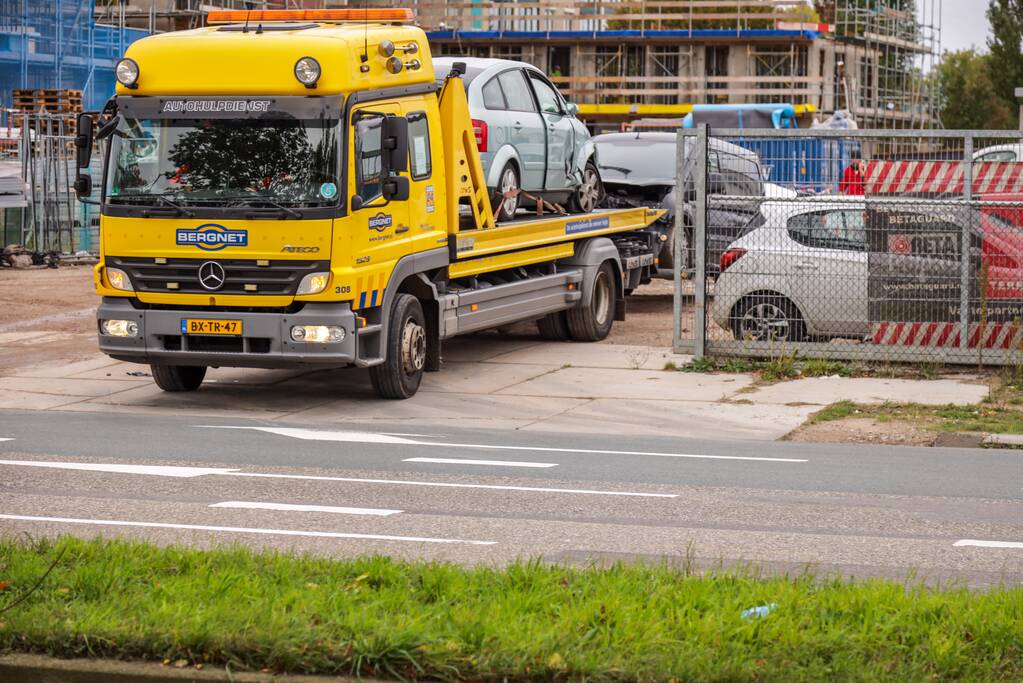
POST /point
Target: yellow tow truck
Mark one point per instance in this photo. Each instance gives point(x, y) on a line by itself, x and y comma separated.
point(289, 188)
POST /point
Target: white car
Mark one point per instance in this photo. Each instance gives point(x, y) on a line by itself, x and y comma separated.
point(802, 272)
point(1007, 152)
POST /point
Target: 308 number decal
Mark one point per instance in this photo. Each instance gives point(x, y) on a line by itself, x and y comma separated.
point(344, 289)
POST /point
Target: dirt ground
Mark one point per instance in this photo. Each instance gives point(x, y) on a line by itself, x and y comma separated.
point(864, 430)
point(48, 315)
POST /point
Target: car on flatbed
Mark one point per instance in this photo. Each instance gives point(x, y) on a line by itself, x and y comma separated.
point(528, 136)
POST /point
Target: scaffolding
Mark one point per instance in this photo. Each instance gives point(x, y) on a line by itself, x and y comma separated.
point(886, 47)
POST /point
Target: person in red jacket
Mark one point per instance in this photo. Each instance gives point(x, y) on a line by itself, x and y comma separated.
point(853, 177)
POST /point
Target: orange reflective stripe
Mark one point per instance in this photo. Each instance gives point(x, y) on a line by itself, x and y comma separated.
point(271, 15)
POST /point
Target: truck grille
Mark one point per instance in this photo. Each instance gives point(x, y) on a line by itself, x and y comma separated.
point(242, 276)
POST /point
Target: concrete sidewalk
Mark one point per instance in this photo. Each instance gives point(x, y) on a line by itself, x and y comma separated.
point(489, 381)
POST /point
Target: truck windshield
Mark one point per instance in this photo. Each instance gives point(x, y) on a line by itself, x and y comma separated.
point(224, 162)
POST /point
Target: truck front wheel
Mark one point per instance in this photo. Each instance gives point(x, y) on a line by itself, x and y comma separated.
point(593, 322)
point(402, 370)
point(178, 377)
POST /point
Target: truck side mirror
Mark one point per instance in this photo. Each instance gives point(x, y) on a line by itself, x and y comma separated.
point(83, 185)
point(83, 141)
point(395, 188)
point(394, 141)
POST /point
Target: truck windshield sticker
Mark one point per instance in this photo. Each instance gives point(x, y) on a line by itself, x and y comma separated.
point(587, 224)
point(380, 222)
point(214, 106)
point(328, 190)
point(212, 237)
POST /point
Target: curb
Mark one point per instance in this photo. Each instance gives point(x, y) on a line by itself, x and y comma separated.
point(1004, 440)
point(22, 668)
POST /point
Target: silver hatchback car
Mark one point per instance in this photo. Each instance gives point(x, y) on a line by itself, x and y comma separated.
point(528, 135)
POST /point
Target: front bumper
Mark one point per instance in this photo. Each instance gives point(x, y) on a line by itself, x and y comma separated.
point(265, 342)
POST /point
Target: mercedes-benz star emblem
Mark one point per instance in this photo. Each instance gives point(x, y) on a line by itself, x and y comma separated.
point(212, 275)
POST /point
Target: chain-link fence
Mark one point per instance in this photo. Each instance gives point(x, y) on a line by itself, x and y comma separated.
point(866, 245)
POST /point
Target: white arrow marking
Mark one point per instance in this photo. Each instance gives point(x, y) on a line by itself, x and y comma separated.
point(497, 463)
point(987, 544)
point(158, 470)
point(240, 530)
point(369, 437)
point(287, 507)
point(168, 471)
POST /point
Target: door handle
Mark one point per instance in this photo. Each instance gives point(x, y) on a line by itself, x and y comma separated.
point(550, 126)
point(806, 265)
point(518, 125)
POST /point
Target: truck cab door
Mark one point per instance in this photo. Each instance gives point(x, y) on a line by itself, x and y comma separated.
point(374, 230)
point(560, 134)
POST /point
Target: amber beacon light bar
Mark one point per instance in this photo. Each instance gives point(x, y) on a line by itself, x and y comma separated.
point(270, 15)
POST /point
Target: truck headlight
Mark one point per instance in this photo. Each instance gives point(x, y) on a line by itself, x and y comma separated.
point(307, 71)
point(118, 279)
point(318, 334)
point(313, 283)
point(127, 72)
point(119, 328)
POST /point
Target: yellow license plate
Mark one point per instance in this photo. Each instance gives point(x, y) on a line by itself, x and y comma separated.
point(202, 326)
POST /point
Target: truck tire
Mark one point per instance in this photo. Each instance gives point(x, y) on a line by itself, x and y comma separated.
point(178, 377)
point(401, 372)
point(508, 181)
point(593, 322)
point(588, 195)
point(554, 327)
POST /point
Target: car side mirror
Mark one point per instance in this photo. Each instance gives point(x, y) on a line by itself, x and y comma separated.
point(396, 188)
point(394, 141)
point(83, 141)
point(572, 108)
point(715, 184)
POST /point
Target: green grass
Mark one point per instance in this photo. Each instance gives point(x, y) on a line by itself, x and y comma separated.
point(987, 418)
point(526, 622)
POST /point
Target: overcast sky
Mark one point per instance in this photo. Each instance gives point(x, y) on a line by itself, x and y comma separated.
point(963, 24)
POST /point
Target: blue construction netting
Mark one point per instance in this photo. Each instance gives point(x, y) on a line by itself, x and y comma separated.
point(57, 44)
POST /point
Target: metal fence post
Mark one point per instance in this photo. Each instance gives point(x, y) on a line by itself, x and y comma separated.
point(678, 244)
point(964, 244)
point(700, 244)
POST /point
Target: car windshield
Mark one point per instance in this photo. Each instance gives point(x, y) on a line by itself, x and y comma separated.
point(636, 161)
point(282, 161)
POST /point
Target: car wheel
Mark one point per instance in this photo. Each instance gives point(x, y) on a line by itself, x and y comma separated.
point(588, 194)
point(508, 181)
point(767, 317)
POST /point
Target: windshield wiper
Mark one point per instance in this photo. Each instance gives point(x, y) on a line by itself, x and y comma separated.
point(127, 199)
point(260, 198)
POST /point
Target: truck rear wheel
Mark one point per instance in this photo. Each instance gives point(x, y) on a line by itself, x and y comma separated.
point(554, 326)
point(178, 377)
point(593, 322)
point(401, 372)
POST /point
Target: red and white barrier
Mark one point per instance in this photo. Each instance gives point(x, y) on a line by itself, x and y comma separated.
point(992, 335)
point(933, 177)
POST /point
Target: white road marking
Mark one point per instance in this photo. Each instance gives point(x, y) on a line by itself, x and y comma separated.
point(497, 463)
point(240, 530)
point(443, 484)
point(287, 507)
point(369, 437)
point(169, 471)
point(2, 438)
point(987, 544)
point(158, 470)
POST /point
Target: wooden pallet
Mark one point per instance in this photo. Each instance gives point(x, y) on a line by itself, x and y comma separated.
point(47, 100)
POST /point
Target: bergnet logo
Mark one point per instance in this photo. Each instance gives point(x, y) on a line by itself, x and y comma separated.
point(212, 237)
point(380, 222)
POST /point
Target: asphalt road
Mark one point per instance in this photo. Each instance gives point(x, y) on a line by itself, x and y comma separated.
point(476, 496)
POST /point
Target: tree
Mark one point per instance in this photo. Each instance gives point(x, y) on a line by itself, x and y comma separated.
point(966, 94)
point(1006, 48)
